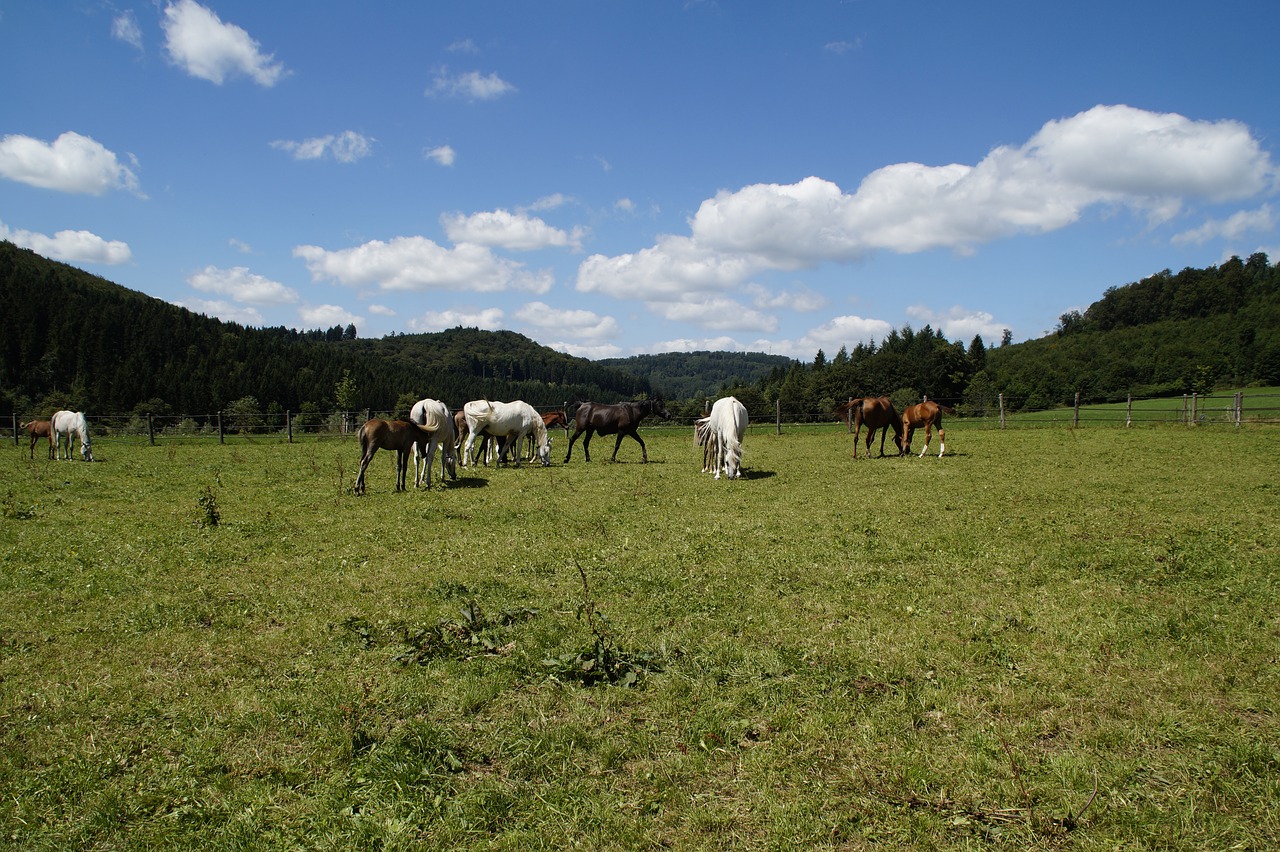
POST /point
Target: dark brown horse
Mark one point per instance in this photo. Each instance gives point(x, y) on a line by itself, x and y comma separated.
point(619, 419)
point(929, 415)
point(874, 412)
point(399, 435)
point(38, 429)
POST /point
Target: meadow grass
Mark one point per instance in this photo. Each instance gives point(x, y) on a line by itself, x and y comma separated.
point(829, 653)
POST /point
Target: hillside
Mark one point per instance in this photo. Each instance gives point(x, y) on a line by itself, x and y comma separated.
point(697, 375)
point(79, 340)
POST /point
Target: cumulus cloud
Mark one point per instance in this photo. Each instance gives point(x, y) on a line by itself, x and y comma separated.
point(242, 285)
point(124, 27)
point(591, 351)
point(71, 163)
point(503, 229)
point(1108, 156)
point(700, 344)
point(381, 310)
point(442, 154)
point(345, 147)
point(418, 264)
point(472, 86)
point(489, 319)
point(575, 323)
point(959, 323)
point(224, 311)
point(70, 246)
point(199, 42)
point(1233, 227)
point(327, 316)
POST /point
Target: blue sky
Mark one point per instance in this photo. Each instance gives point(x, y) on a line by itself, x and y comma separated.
point(614, 178)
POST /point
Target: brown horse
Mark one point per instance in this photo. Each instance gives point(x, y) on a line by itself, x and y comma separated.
point(619, 419)
point(399, 435)
point(929, 415)
point(875, 412)
point(38, 429)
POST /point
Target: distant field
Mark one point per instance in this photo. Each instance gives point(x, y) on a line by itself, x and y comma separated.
point(829, 653)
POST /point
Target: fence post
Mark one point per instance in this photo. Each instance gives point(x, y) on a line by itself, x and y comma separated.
point(15, 429)
point(151, 430)
point(1184, 409)
point(1239, 406)
point(777, 413)
point(1075, 423)
point(1001, 411)
point(1128, 412)
point(288, 425)
point(222, 436)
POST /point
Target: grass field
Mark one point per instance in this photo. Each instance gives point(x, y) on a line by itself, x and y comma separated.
point(893, 653)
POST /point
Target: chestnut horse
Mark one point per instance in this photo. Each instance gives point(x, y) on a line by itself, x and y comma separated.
point(619, 419)
point(929, 415)
point(38, 429)
point(874, 412)
point(399, 435)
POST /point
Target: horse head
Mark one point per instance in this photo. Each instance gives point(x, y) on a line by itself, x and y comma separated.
point(659, 408)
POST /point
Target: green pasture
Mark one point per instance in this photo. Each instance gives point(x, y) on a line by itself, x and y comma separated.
point(1260, 404)
point(1049, 638)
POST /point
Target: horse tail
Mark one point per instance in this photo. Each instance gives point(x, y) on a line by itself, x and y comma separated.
point(948, 409)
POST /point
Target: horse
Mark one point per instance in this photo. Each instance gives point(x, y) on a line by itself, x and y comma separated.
point(621, 418)
point(875, 413)
point(549, 419)
point(434, 416)
point(705, 438)
point(403, 436)
point(726, 426)
point(38, 429)
point(73, 425)
point(512, 420)
point(929, 415)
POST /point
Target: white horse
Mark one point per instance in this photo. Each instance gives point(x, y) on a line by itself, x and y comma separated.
point(703, 437)
point(73, 425)
point(725, 429)
point(434, 416)
point(512, 420)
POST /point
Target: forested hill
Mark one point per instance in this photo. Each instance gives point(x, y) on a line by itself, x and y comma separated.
point(77, 340)
point(696, 375)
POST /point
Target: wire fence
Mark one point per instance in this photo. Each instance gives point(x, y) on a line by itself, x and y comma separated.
point(1233, 410)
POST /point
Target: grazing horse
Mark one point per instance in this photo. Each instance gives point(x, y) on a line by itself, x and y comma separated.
point(38, 429)
point(549, 419)
point(705, 438)
point(399, 435)
point(512, 420)
point(433, 415)
point(929, 415)
point(73, 425)
point(726, 426)
point(622, 419)
point(875, 412)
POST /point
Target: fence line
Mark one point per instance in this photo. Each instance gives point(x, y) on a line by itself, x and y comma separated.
point(998, 413)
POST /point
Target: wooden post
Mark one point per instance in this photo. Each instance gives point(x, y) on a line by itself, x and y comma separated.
point(1195, 404)
point(151, 429)
point(15, 429)
point(1001, 411)
point(288, 425)
point(1075, 423)
point(1239, 406)
point(1128, 412)
point(777, 409)
point(222, 436)
point(1184, 409)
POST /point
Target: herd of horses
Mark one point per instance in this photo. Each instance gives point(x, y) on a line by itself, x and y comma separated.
point(501, 430)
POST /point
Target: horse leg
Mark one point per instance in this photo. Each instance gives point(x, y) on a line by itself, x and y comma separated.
point(586, 444)
point(402, 468)
point(857, 436)
point(365, 458)
point(884, 431)
point(942, 439)
point(928, 433)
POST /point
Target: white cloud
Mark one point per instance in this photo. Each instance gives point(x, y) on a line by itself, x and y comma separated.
point(702, 344)
point(1233, 227)
point(592, 351)
point(382, 311)
point(327, 316)
point(960, 323)
point(442, 154)
point(718, 313)
point(71, 163)
point(223, 310)
point(345, 147)
point(70, 246)
point(574, 323)
point(847, 331)
point(198, 41)
point(472, 86)
point(490, 319)
point(550, 202)
point(624, 205)
point(242, 285)
point(1109, 155)
point(801, 298)
point(419, 264)
point(240, 246)
point(503, 229)
point(464, 45)
point(124, 27)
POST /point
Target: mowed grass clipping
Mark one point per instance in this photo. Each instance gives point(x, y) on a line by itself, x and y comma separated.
point(827, 653)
